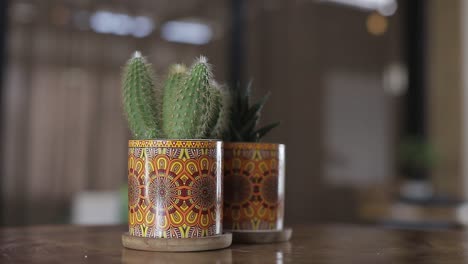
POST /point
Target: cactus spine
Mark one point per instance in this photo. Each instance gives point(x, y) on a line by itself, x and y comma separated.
point(189, 106)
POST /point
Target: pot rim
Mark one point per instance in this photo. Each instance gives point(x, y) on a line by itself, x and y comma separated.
point(249, 142)
point(170, 139)
point(177, 143)
point(260, 145)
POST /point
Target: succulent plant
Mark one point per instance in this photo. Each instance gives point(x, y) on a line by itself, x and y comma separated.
point(244, 117)
point(188, 106)
point(416, 157)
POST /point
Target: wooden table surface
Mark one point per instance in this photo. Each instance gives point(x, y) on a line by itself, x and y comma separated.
point(310, 244)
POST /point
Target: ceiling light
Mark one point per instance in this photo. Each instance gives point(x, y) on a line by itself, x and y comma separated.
point(196, 33)
point(384, 7)
point(106, 22)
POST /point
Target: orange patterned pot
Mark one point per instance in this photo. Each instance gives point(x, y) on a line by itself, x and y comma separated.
point(174, 188)
point(254, 186)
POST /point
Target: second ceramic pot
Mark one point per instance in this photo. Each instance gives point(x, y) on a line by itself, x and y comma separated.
point(254, 186)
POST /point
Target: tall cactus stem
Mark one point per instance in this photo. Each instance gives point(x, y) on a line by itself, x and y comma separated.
point(221, 127)
point(176, 77)
point(196, 99)
point(139, 98)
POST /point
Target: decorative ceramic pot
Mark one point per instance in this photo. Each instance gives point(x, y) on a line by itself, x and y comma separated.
point(175, 188)
point(254, 186)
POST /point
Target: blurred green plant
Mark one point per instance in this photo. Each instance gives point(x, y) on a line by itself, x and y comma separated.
point(416, 157)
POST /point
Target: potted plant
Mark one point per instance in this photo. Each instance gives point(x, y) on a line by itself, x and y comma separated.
point(253, 175)
point(416, 158)
point(174, 165)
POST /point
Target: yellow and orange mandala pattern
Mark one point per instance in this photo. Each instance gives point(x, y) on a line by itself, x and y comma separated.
point(251, 187)
point(173, 191)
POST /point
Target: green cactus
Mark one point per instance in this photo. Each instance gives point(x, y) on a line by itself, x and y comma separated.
point(140, 98)
point(176, 77)
point(221, 129)
point(244, 117)
point(189, 106)
point(194, 110)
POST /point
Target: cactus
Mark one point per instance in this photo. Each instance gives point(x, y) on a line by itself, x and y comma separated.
point(195, 109)
point(188, 107)
point(139, 98)
point(244, 118)
point(176, 77)
point(221, 129)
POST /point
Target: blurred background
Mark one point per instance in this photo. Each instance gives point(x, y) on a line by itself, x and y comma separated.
point(371, 96)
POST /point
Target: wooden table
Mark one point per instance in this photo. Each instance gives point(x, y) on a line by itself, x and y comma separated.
point(310, 244)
